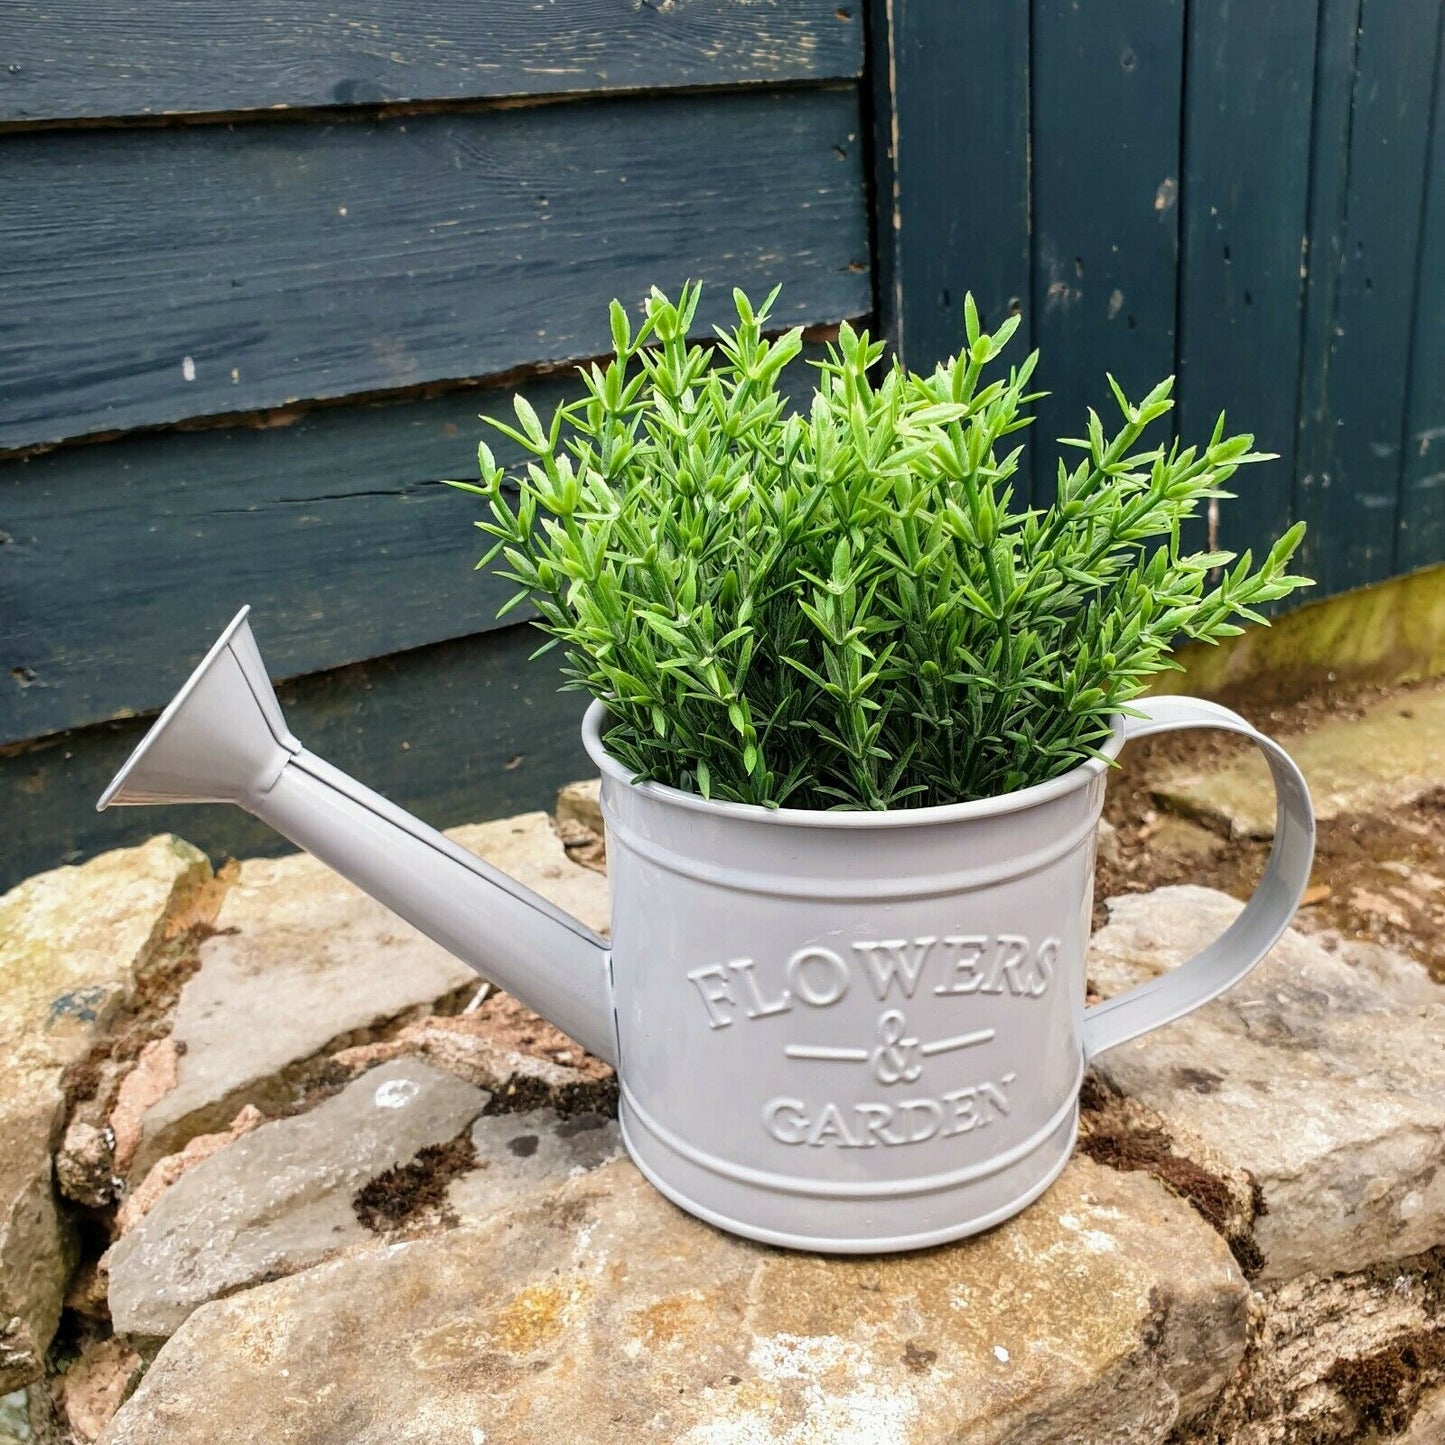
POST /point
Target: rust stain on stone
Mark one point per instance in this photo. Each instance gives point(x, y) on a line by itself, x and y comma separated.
point(533, 1317)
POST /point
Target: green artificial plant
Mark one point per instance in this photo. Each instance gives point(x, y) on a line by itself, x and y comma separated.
point(843, 609)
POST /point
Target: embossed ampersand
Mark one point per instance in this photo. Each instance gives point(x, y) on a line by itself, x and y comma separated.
point(893, 1058)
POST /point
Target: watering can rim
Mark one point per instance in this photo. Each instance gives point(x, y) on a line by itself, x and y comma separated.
point(997, 805)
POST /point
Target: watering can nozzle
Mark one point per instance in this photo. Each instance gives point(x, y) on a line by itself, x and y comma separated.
point(224, 739)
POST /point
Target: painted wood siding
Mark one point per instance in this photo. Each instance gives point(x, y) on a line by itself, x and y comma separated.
point(258, 278)
point(1250, 197)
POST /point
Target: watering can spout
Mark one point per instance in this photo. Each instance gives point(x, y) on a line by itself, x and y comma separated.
point(224, 739)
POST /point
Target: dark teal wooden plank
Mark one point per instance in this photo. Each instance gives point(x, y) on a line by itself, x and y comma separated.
point(1244, 207)
point(146, 57)
point(1339, 28)
point(334, 528)
point(457, 733)
point(1106, 172)
point(1421, 539)
point(151, 276)
point(1354, 413)
point(952, 172)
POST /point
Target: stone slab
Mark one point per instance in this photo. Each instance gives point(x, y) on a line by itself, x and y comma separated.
point(1384, 760)
point(518, 1154)
point(528, 849)
point(1323, 1079)
point(72, 942)
point(599, 1312)
point(303, 962)
point(581, 803)
point(1339, 1360)
point(279, 1199)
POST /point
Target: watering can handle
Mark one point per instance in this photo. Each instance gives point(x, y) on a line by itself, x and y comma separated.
point(1267, 914)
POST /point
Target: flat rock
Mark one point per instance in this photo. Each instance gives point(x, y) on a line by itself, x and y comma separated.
point(93, 1387)
point(1384, 760)
point(598, 1312)
point(1427, 1424)
point(581, 803)
point(14, 1419)
point(72, 943)
point(1323, 1079)
point(300, 959)
point(303, 963)
point(528, 849)
point(518, 1154)
point(1336, 1360)
point(503, 1047)
point(280, 1198)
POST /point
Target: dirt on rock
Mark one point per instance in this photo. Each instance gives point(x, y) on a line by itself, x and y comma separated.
point(1377, 877)
point(414, 1194)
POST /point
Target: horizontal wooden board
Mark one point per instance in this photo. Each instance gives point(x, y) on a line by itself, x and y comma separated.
point(335, 528)
point(90, 58)
point(151, 276)
point(465, 731)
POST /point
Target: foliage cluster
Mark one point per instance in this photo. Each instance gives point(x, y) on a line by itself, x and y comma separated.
point(844, 609)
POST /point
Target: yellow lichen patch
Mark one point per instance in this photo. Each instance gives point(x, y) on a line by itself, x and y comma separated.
point(667, 1320)
point(536, 1315)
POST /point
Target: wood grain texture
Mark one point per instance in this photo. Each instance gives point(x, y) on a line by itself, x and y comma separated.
point(1421, 537)
point(145, 57)
point(1106, 174)
point(1353, 417)
point(335, 528)
point(151, 276)
point(952, 168)
point(1336, 45)
point(464, 731)
point(1244, 207)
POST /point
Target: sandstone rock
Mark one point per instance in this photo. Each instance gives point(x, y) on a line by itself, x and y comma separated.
point(301, 959)
point(1310, 1075)
point(156, 1073)
point(280, 1198)
point(302, 962)
point(517, 1154)
point(1333, 1360)
point(1108, 843)
point(582, 803)
point(86, 1292)
point(526, 848)
point(1427, 1425)
point(164, 1172)
point(502, 1047)
point(71, 944)
point(93, 1388)
point(85, 1165)
point(598, 1312)
point(1176, 837)
point(583, 845)
point(15, 1419)
point(1386, 759)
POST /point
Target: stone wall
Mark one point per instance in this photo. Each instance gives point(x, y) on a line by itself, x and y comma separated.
point(279, 1168)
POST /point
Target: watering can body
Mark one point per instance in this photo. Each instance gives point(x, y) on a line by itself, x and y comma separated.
point(848, 1032)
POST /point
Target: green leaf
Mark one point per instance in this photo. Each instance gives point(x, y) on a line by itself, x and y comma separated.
point(855, 588)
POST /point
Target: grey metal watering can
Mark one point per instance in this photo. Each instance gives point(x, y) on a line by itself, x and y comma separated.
point(844, 1031)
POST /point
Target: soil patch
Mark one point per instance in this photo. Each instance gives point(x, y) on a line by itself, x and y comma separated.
point(1380, 878)
point(415, 1193)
